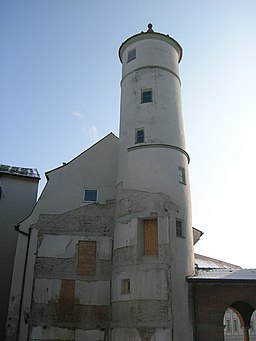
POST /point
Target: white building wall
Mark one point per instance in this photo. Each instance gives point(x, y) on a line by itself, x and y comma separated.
point(93, 169)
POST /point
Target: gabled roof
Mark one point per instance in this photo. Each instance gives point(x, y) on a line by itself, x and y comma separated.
point(110, 135)
point(20, 171)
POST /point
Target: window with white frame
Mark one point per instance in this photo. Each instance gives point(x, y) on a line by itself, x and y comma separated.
point(90, 195)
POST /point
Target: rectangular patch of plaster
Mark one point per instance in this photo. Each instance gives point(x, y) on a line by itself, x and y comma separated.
point(46, 290)
point(125, 234)
point(51, 333)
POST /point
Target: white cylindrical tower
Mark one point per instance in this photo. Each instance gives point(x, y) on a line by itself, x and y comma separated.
point(153, 246)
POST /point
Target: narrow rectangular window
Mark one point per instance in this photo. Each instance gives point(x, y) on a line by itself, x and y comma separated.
point(235, 326)
point(228, 329)
point(179, 228)
point(90, 195)
point(150, 237)
point(67, 294)
point(139, 135)
point(86, 258)
point(131, 55)
point(182, 177)
point(146, 96)
point(126, 286)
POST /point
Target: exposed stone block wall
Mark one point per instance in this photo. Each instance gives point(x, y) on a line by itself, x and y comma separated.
point(72, 277)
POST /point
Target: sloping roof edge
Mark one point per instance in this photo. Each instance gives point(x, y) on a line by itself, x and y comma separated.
point(85, 151)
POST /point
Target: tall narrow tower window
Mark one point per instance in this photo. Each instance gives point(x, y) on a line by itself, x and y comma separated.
point(131, 55)
point(146, 96)
point(179, 228)
point(139, 135)
point(182, 177)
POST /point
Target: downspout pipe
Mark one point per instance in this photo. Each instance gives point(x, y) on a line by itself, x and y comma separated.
point(17, 228)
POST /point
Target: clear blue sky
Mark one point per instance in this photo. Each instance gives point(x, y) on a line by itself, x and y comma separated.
point(60, 92)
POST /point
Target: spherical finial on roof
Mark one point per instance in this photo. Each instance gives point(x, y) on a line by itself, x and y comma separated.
point(150, 29)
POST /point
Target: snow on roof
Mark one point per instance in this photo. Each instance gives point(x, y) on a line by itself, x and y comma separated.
point(208, 262)
point(224, 274)
point(20, 171)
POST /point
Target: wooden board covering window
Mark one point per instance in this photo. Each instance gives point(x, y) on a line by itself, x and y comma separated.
point(86, 258)
point(67, 294)
point(150, 237)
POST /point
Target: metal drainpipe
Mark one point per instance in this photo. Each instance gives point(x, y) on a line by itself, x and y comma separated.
point(16, 227)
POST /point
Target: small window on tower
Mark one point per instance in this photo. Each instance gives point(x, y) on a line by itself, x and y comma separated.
point(182, 178)
point(146, 96)
point(139, 135)
point(131, 55)
point(126, 286)
point(90, 195)
point(179, 228)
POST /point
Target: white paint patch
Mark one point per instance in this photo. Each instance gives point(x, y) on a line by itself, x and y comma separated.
point(51, 333)
point(46, 290)
point(58, 246)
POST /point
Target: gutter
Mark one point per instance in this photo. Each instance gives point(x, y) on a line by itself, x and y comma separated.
point(17, 228)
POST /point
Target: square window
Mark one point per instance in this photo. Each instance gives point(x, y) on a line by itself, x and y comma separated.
point(146, 96)
point(179, 229)
point(90, 195)
point(182, 178)
point(131, 55)
point(126, 286)
point(139, 135)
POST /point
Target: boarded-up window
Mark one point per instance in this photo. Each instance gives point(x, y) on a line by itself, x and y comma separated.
point(67, 293)
point(150, 237)
point(86, 258)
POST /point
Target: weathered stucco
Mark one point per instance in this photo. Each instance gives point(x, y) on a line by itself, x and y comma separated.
point(115, 270)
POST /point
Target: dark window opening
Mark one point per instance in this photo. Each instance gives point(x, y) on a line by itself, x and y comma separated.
point(91, 195)
point(131, 55)
point(179, 229)
point(146, 96)
point(182, 177)
point(139, 136)
point(126, 286)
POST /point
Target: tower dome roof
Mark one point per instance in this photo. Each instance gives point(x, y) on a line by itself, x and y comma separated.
point(150, 34)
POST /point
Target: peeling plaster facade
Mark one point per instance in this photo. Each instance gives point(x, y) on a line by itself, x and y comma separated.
point(115, 269)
